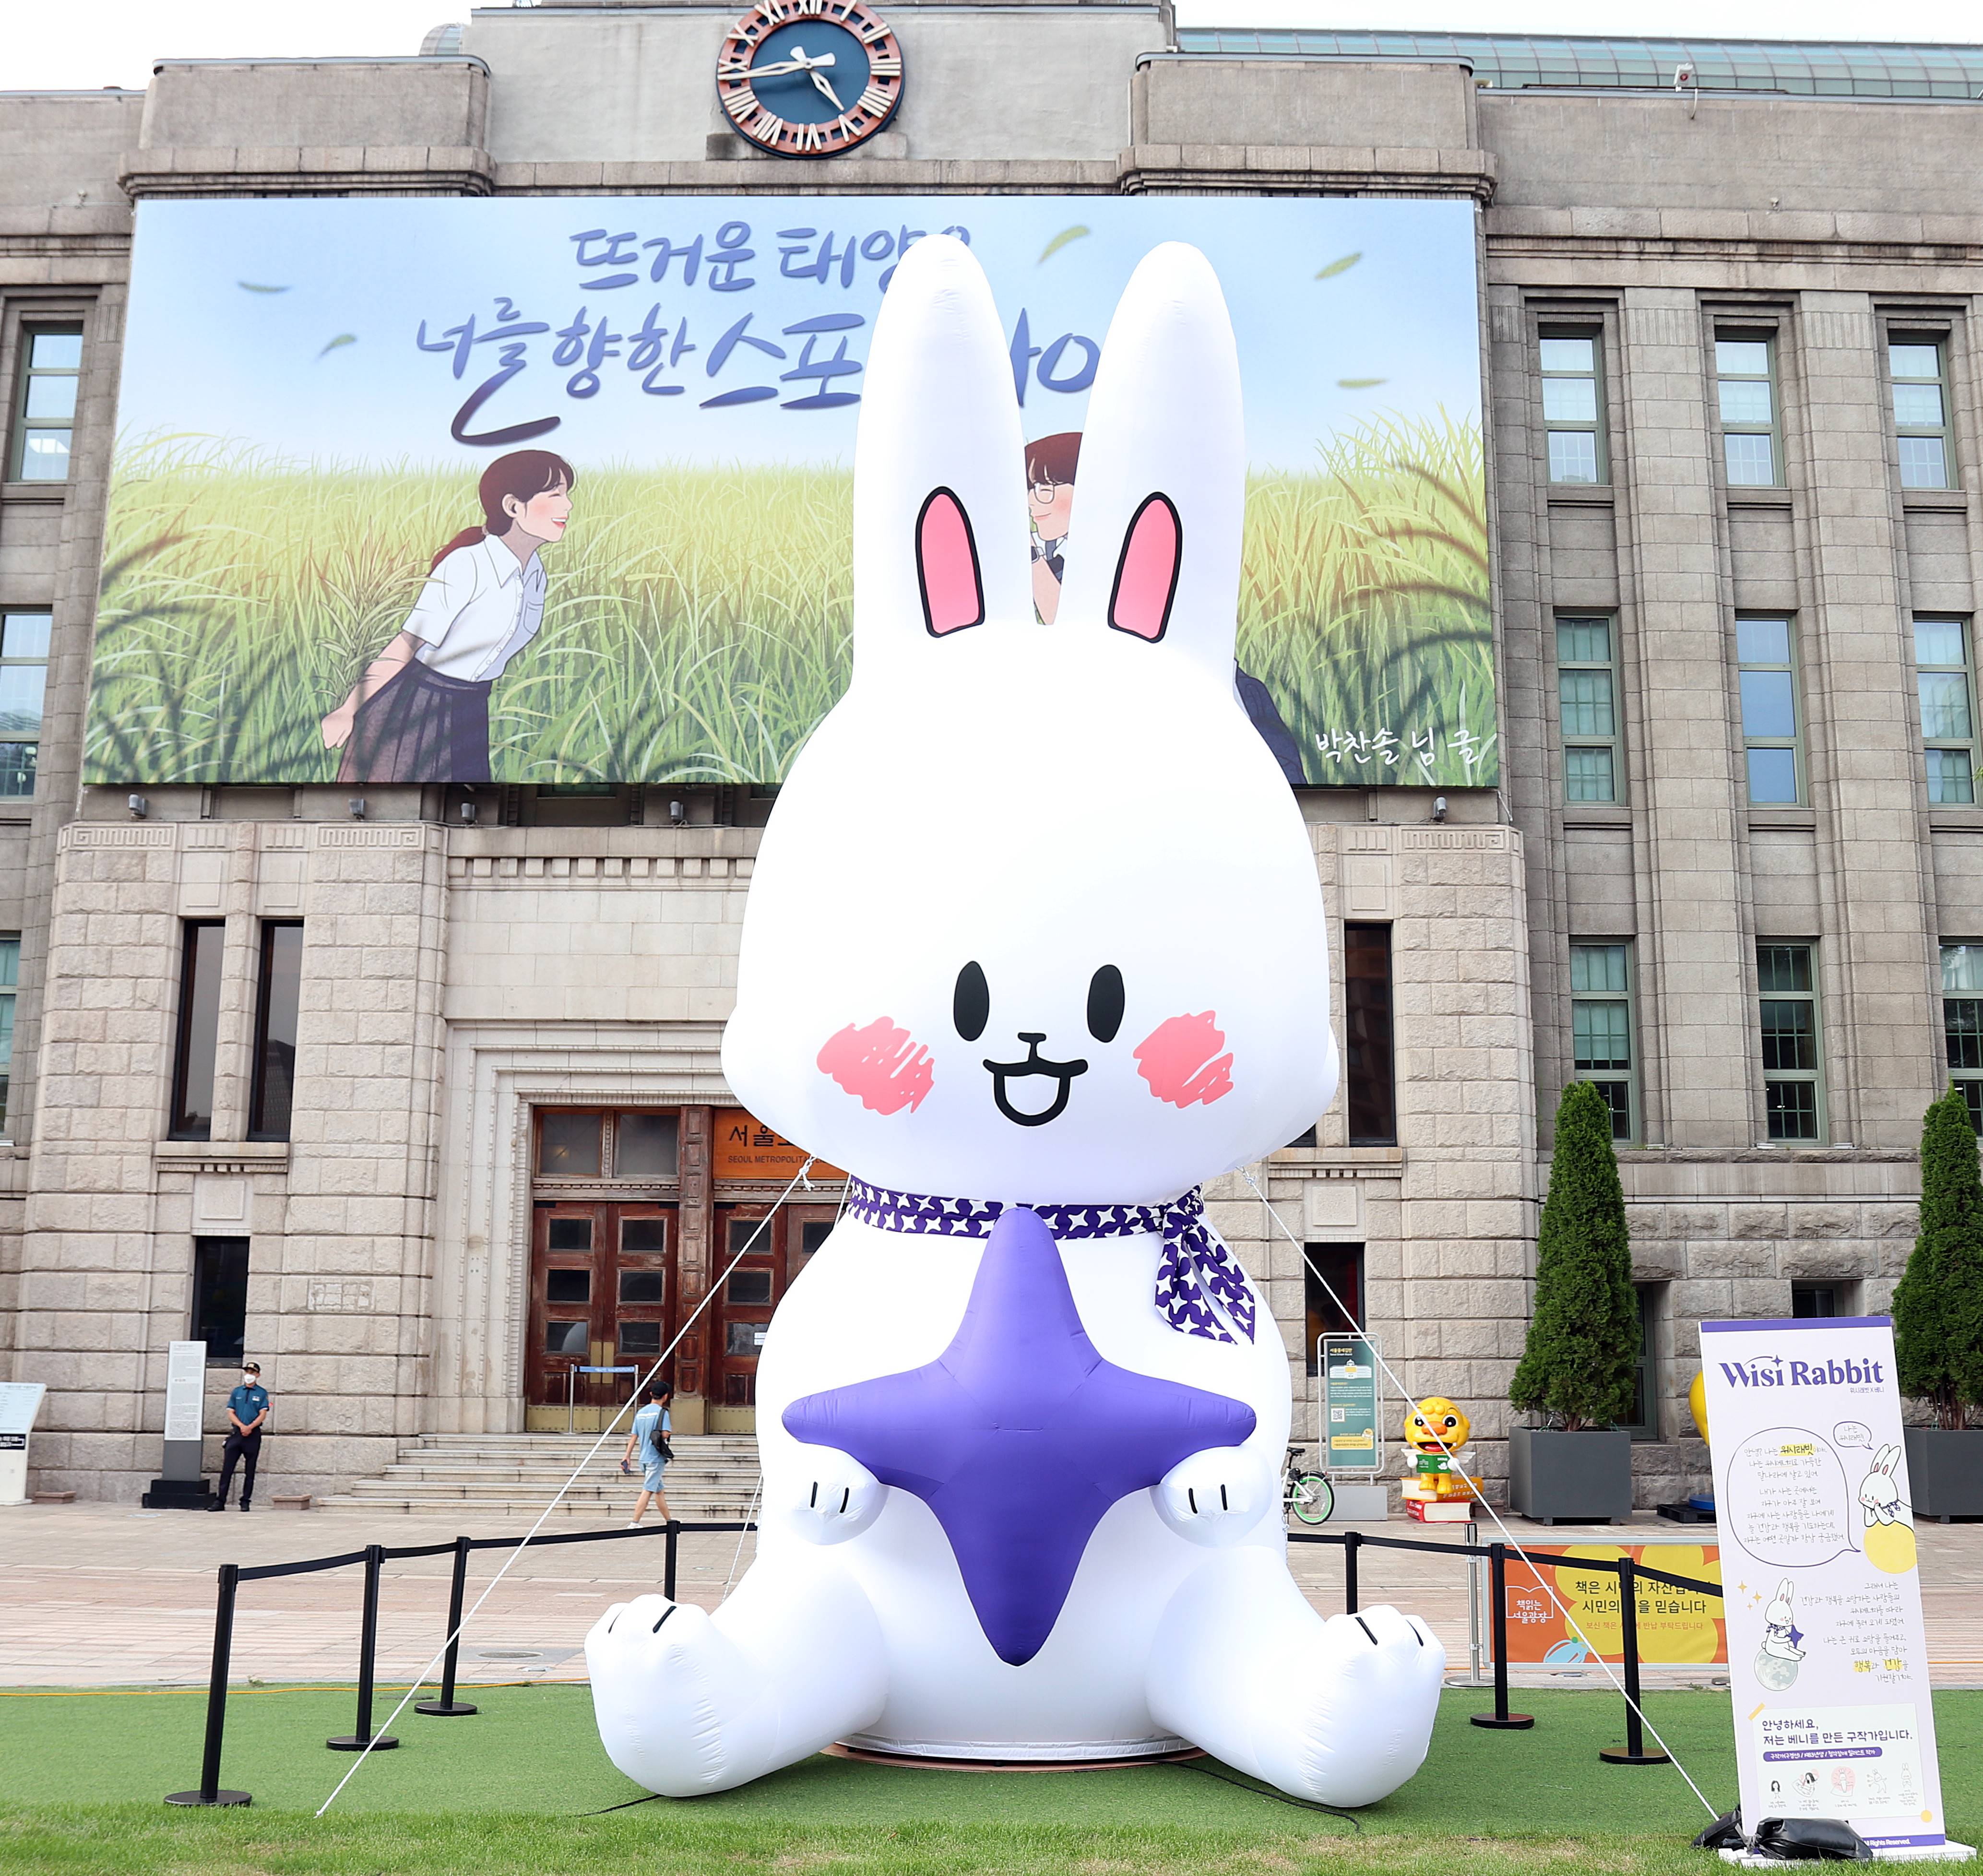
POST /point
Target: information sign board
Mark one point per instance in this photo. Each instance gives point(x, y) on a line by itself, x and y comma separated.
point(1827, 1664)
point(186, 1390)
point(1353, 1435)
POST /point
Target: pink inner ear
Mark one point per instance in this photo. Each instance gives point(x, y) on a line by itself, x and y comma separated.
point(947, 566)
point(1146, 576)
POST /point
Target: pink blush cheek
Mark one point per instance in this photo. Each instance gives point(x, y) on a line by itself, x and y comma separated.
point(1180, 1060)
point(884, 1067)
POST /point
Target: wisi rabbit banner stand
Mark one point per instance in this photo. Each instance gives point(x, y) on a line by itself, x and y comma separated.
point(1827, 1663)
point(1021, 1418)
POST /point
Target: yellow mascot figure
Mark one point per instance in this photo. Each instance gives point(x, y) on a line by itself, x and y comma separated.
point(1436, 1490)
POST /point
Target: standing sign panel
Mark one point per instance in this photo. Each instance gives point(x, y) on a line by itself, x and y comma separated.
point(1354, 1439)
point(1827, 1664)
point(20, 1401)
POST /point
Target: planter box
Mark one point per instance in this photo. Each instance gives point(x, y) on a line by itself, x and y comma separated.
point(1945, 1471)
point(1570, 1478)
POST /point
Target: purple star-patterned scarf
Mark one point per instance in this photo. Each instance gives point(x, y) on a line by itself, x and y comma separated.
point(1196, 1271)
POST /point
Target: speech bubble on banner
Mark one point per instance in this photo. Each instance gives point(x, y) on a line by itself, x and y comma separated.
point(1792, 1508)
point(1850, 1433)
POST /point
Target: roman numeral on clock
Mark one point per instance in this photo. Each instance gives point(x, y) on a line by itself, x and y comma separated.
point(884, 66)
point(875, 101)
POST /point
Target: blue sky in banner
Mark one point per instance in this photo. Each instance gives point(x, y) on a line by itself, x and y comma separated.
point(362, 331)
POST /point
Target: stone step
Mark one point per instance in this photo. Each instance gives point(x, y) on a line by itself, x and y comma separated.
point(714, 1477)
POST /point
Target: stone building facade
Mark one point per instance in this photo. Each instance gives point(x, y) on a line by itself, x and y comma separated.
point(459, 980)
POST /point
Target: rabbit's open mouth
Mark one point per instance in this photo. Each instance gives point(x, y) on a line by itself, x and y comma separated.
point(1062, 1073)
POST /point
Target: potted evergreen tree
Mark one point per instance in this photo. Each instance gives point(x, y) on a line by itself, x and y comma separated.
point(1576, 1371)
point(1938, 1318)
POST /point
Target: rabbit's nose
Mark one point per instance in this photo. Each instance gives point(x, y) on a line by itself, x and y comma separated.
point(1032, 1035)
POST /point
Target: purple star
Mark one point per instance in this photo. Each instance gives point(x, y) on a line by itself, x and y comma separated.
point(1019, 1436)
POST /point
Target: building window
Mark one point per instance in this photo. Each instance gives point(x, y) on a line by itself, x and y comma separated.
point(276, 1004)
point(24, 675)
point(1339, 1268)
point(1600, 1018)
point(10, 978)
point(1948, 712)
point(1746, 385)
point(1769, 715)
point(220, 1297)
point(1644, 1422)
point(198, 1030)
point(1372, 1095)
point(1962, 1023)
point(1587, 704)
point(588, 1143)
point(1573, 407)
point(1921, 411)
point(52, 368)
point(1814, 1299)
point(1793, 1088)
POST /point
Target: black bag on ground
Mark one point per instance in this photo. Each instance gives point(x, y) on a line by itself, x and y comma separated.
point(1799, 1840)
point(1725, 1833)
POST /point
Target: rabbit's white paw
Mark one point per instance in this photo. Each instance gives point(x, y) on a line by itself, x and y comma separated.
point(836, 1498)
point(1216, 1497)
point(678, 1704)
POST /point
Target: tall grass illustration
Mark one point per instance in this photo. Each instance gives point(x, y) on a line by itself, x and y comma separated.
point(698, 618)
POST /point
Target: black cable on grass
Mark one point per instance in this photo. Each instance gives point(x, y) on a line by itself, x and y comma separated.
point(1300, 1803)
point(624, 1804)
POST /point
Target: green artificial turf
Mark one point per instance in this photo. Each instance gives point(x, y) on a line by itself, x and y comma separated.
point(82, 1778)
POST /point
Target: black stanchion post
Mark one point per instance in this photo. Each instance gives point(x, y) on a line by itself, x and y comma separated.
point(209, 1791)
point(1351, 1540)
point(1497, 1577)
point(368, 1649)
point(447, 1707)
point(668, 1568)
point(1633, 1751)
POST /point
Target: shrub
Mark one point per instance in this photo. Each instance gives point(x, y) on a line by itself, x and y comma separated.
point(1938, 1303)
point(1583, 1341)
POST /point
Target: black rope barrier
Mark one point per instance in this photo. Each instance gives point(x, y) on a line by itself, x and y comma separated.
point(374, 1556)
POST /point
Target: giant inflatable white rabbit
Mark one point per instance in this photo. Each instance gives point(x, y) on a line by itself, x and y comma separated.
point(1033, 946)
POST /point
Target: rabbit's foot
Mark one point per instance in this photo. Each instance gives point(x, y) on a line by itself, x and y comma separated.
point(1340, 1712)
point(837, 1496)
point(1216, 1497)
point(688, 1703)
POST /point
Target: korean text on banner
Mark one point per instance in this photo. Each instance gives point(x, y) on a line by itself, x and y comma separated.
point(1678, 1628)
point(1827, 1664)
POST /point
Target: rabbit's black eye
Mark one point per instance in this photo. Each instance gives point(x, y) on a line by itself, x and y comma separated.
point(970, 1003)
point(1105, 1003)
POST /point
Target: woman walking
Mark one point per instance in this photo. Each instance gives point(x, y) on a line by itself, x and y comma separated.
point(650, 1435)
point(420, 712)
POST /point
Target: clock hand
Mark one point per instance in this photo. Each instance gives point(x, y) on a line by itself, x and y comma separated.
point(828, 90)
point(781, 70)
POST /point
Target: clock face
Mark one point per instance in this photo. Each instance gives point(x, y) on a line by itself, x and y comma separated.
point(809, 78)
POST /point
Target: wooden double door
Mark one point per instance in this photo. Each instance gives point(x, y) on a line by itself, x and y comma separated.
point(603, 1293)
point(606, 1293)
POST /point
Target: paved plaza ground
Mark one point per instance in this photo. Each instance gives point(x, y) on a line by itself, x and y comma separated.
point(106, 1595)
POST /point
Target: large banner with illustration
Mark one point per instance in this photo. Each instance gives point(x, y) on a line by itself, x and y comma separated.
point(558, 490)
point(1827, 1665)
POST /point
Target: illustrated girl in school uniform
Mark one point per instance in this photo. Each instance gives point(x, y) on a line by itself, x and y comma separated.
point(420, 712)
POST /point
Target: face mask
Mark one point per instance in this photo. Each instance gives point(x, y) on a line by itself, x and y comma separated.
point(250, 1380)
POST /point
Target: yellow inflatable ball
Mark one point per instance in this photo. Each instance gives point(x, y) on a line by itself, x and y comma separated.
point(1697, 1402)
point(1890, 1547)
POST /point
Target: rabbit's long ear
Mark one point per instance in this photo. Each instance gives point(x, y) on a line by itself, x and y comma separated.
point(939, 470)
point(1154, 540)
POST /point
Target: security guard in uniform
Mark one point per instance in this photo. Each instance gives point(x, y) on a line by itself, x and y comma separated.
point(247, 1409)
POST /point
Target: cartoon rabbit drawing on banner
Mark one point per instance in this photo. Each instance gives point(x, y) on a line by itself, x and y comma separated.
point(1888, 1518)
point(1021, 1418)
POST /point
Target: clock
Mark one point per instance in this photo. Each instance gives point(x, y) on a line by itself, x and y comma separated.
point(809, 78)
